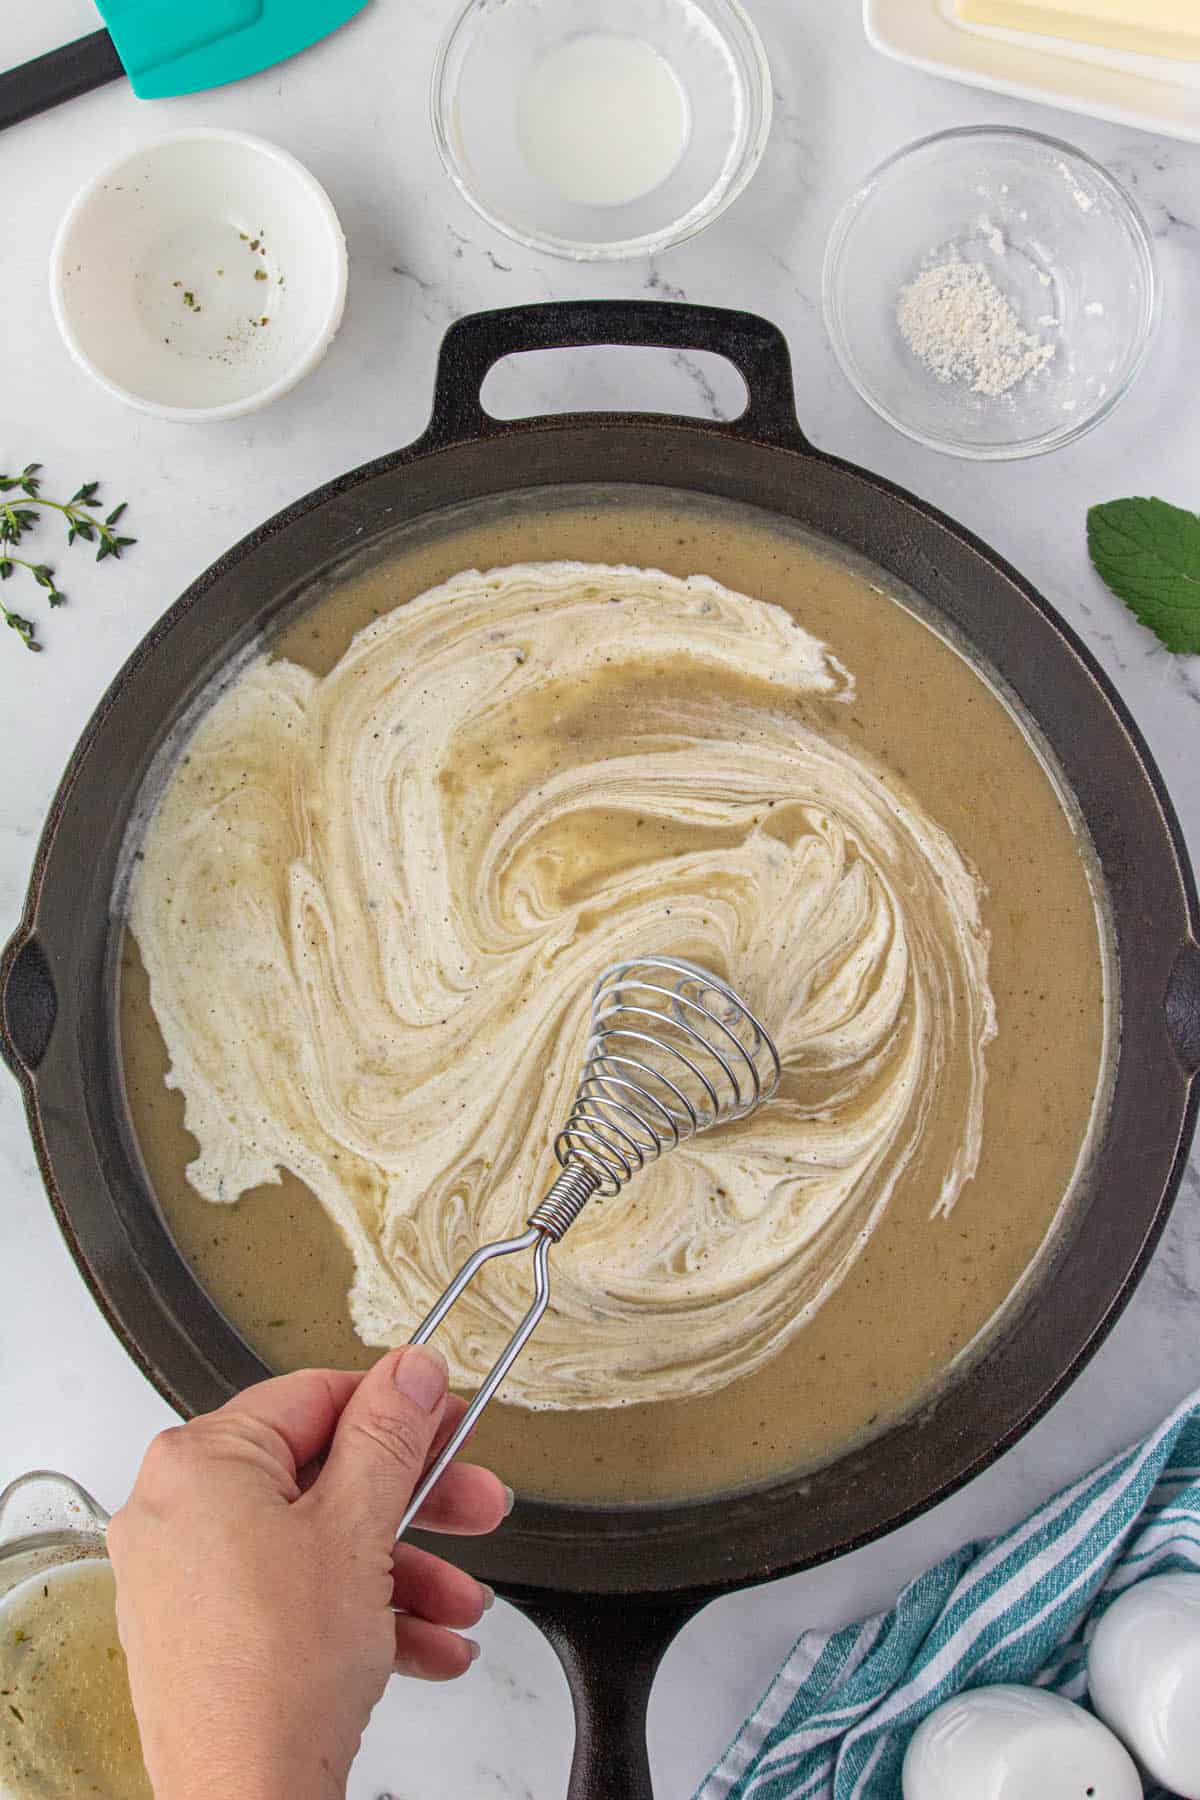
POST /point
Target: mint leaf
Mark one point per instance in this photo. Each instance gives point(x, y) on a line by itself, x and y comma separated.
point(1149, 554)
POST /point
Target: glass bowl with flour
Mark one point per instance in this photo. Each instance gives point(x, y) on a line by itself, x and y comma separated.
point(991, 293)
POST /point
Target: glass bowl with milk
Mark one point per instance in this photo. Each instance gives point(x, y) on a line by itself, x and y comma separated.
point(599, 132)
point(67, 1727)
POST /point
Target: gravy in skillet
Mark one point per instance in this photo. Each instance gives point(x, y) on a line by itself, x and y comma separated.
point(842, 817)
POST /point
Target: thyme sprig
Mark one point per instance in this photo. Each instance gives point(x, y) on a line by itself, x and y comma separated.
point(23, 512)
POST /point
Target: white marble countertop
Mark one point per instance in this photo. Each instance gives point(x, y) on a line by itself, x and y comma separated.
point(355, 111)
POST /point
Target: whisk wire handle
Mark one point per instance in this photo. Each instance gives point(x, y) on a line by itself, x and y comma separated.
point(540, 1244)
point(563, 1204)
point(642, 1092)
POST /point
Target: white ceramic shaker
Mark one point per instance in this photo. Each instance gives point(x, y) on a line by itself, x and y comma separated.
point(1144, 1677)
point(1016, 1743)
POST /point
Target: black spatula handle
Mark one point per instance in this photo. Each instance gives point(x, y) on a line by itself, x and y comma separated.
point(60, 75)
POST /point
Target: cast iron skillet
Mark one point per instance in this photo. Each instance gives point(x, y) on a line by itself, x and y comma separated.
point(611, 1586)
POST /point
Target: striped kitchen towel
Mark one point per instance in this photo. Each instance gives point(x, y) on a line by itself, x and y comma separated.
point(836, 1721)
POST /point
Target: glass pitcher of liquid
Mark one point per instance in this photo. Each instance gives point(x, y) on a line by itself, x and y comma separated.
point(67, 1728)
point(46, 1520)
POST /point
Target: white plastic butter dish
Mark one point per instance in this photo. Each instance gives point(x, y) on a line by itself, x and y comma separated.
point(1152, 93)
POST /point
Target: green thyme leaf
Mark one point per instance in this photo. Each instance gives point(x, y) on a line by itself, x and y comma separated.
point(17, 518)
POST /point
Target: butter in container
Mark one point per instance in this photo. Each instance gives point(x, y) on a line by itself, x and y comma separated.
point(1153, 27)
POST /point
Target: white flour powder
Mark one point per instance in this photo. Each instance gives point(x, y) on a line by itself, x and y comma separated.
point(956, 320)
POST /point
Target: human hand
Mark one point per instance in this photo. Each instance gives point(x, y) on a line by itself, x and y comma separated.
point(257, 1570)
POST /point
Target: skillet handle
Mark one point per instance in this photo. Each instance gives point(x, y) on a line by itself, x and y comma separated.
point(1183, 1007)
point(610, 1650)
point(28, 1003)
point(757, 350)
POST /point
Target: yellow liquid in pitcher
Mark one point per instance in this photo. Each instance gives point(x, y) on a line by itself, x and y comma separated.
point(67, 1729)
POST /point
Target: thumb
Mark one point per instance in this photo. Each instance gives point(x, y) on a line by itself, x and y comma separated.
point(384, 1437)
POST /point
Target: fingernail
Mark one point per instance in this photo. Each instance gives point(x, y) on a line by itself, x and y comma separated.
point(473, 1647)
point(421, 1376)
point(510, 1500)
point(489, 1596)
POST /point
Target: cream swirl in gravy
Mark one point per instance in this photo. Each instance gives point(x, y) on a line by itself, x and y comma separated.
point(372, 905)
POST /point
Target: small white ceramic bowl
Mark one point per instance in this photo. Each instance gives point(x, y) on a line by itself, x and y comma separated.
point(200, 276)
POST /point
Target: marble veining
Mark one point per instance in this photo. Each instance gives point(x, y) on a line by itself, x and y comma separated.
point(420, 257)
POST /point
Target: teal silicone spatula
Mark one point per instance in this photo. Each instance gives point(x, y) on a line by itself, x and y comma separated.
point(166, 47)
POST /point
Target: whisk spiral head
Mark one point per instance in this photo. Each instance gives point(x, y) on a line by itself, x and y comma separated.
point(673, 1051)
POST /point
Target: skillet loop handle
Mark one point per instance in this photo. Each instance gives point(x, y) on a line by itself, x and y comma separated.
point(28, 1004)
point(610, 1650)
point(757, 350)
point(1183, 1007)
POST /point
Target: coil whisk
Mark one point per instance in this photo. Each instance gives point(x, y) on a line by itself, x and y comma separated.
point(673, 1051)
